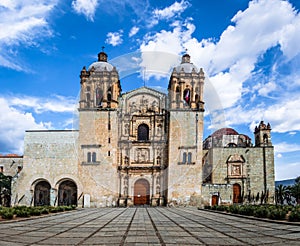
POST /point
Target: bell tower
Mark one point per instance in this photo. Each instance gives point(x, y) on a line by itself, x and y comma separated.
point(262, 134)
point(186, 86)
point(100, 85)
point(98, 129)
point(186, 109)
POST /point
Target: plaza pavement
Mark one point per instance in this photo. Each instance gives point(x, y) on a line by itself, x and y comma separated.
point(146, 226)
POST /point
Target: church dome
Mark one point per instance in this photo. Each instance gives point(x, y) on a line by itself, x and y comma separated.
point(186, 65)
point(101, 64)
point(224, 131)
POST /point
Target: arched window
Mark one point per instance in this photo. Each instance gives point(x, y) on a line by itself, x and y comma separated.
point(89, 157)
point(189, 159)
point(187, 96)
point(94, 157)
point(177, 95)
point(184, 158)
point(143, 132)
point(88, 96)
point(265, 138)
point(98, 97)
point(109, 95)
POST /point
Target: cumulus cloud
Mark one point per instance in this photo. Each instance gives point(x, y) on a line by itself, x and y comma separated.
point(85, 7)
point(13, 124)
point(114, 38)
point(232, 59)
point(23, 22)
point(17, 116)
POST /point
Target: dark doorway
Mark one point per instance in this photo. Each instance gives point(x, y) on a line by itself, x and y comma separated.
point(141, 192)
point(42, 194)
point(67, 193)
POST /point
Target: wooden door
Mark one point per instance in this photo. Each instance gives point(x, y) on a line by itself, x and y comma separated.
point(236, 193)
point(141, 192)
point(214, 200)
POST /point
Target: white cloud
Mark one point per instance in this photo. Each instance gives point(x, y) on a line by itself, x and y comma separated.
point(267, 88)
point(85, 7)
point(134, 30)
point(114, 38)
point(17, 116)
point(23, 22)
point(170, 11)
point(13, 124)
point(55, 104)
point(284, 147)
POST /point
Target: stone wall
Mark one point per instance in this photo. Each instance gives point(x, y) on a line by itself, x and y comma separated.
point(48, 156)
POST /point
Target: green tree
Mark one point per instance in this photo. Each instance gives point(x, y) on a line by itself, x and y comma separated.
point(5, 190)
point(281, 192)
point(295, 190)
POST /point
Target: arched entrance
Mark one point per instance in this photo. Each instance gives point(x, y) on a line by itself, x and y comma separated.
point(141, 192)
point(42, 194)
point(236, 193)
point(67, 193)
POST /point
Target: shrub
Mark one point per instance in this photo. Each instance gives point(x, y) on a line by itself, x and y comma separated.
point(53, 210)
point(22, 213)
point(74, 206)
point(35, 212)
point(261, 212)
point(60, 209)
point(207, 207)
point(294, 215)
point(234, 209)
point(247, 210)
point(221, 208)
point(45, 211)
point(7, 214)
point(276, 213)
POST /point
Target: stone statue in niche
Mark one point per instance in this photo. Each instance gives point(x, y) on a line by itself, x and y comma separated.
point(143, 105)
point(126, 129)
point(155, 106)
point(133, 107)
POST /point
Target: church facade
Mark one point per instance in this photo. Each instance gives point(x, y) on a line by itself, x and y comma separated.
point(142, 147)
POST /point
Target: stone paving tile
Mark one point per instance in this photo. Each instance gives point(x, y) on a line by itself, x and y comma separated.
point(60, 241)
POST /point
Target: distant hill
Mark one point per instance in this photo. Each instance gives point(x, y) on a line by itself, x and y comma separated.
point(287, 182)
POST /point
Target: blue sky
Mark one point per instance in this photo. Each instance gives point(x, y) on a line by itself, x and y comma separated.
point(249, 51)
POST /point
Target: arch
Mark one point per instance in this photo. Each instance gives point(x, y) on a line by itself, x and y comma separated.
point(236, 188)
point(42, 193)
point(141, 192)
point(189, 158)
point(187, 96)
point(67, 193)
point(99, 97)
point(265, 138)
point(143, 132)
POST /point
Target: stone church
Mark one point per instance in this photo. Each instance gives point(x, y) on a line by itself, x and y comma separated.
point(142, 147)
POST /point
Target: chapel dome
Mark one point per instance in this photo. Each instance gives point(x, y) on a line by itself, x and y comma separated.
point(101, 64)
point(186, 65)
